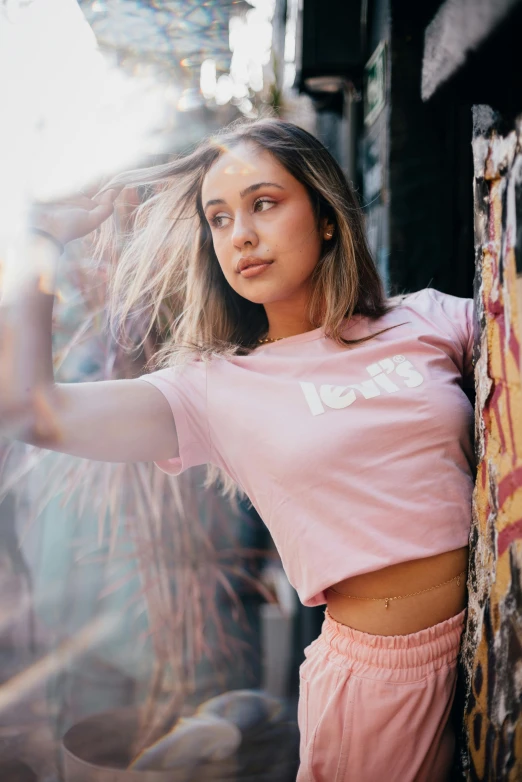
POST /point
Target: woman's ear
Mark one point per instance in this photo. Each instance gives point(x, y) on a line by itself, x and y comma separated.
point(327, 229)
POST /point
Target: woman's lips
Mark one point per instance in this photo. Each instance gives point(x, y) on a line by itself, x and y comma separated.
point(255, 269)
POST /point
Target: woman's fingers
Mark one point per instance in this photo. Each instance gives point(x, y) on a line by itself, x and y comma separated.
point(103, 207)
point(75, 216)
point(79, 200)
point(91, 202)
point(107, 196)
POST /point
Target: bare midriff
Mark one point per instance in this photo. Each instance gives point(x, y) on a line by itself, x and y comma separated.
point(409, 614)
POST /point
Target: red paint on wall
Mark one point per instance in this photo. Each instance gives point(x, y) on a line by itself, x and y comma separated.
point(514, 346)
point(508, 535)
point(509, 485)
point(498, 392)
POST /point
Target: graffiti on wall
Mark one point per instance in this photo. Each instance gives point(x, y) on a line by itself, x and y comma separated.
point(492, 645)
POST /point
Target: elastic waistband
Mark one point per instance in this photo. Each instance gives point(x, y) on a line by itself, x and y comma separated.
point(417, 653)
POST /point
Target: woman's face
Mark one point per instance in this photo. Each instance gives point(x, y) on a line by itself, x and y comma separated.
point(261, 216)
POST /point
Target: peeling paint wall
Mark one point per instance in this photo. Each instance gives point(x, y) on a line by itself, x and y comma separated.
point(492, 646)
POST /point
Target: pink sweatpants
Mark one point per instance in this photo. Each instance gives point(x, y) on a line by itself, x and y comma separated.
point(375, 707)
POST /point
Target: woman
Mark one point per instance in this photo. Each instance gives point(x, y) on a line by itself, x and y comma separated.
point(341, 415)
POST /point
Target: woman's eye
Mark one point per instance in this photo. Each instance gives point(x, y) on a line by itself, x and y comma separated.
point(260, 204)
point(217, 221)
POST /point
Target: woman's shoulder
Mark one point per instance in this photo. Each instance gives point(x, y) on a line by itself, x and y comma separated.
point(450, 314)
point(424, 297)
point(429, 300)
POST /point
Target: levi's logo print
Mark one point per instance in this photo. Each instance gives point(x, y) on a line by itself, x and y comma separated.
point(386, 377)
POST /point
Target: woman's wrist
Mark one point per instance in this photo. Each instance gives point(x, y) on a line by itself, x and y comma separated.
point(30, 267)
point(33, 229)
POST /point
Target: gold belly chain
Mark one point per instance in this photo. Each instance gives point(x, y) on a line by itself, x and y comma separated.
point(456, 578)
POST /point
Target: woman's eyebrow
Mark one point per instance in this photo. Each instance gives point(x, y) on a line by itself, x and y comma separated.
point(258, 186)
point(245, 192)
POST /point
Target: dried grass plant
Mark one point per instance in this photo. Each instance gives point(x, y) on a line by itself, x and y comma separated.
point(179, 568)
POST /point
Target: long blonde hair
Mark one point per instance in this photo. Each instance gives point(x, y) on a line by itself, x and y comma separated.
point(167, 273)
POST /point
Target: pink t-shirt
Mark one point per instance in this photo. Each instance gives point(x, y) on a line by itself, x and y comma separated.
point(356, 458)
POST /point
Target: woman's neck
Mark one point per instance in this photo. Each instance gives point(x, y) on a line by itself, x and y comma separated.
point(286, 321)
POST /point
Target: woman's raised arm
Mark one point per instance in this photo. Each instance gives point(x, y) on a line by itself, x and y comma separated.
point(117, 420)
point(111, 420)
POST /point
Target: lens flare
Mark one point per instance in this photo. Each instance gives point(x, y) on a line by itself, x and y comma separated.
point(23, 683)
point(69, 117)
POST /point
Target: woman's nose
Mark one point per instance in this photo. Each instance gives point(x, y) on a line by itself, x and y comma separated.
point(243, 232)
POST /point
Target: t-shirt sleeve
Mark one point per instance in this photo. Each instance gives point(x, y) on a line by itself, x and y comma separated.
point(185, 389)
point(458, 317)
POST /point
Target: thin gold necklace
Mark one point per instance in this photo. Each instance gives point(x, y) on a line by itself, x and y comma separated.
point(269, 339)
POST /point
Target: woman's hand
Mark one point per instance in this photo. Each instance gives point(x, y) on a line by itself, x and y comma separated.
point(75, 216)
